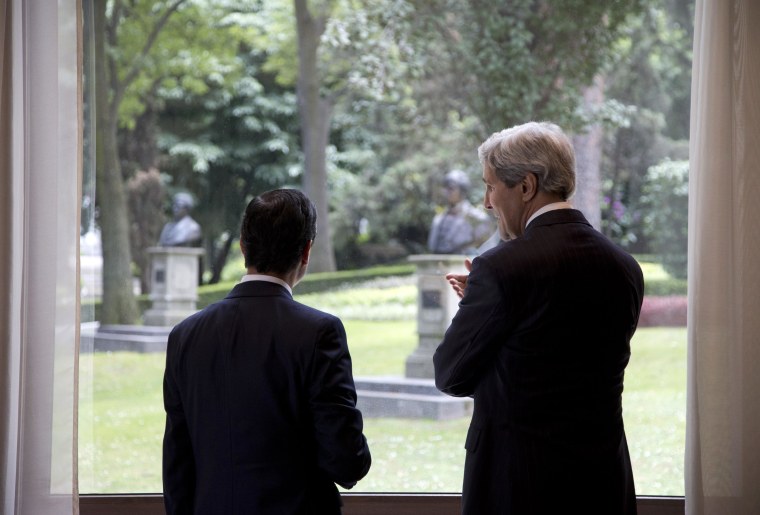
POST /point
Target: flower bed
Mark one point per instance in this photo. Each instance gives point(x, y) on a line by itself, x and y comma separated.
point(668, 311)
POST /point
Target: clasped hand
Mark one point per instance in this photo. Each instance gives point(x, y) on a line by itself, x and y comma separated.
point(459, 281)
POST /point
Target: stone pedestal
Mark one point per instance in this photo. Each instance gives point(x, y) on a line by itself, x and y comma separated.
point(174, 284)
point(436, 306)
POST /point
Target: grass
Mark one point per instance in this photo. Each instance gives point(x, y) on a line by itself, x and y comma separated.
point(654, 404)
point(122, 418)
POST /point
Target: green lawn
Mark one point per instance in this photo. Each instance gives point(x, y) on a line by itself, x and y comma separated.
point(122, 418)
point(121, 412)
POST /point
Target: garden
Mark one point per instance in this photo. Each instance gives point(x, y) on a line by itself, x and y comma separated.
point(210, 99)
point(121, 411)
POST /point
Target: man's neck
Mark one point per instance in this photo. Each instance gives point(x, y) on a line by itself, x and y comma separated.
point(539, 205)
point(548, 207)
point(267, 278)
point(291, 277)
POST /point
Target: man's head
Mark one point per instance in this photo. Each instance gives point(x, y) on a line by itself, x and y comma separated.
point(277, 230)
point(526, 167)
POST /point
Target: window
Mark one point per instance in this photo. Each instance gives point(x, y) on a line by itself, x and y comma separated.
point(210, 109)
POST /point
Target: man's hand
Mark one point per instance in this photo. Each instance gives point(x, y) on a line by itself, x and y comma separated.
point(459, 281)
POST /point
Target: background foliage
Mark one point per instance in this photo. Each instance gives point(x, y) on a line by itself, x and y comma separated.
point(666, 195)
point(415, 86)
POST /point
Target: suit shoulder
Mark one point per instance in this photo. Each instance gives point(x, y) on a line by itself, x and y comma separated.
point(313, 314)
point(213, 310)
point(509, 253)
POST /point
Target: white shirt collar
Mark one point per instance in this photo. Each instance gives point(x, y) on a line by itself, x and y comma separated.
point(548, 207)
point(267, 278)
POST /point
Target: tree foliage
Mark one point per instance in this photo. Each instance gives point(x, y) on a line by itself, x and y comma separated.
point(140, 47)
point(509, 62)
point(648, 120)
point(227, 146)
point(666, 194)
point(463, 70)
point(207, 92)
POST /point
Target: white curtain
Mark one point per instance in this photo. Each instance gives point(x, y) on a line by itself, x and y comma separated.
point(40, 149)
point(723, 409)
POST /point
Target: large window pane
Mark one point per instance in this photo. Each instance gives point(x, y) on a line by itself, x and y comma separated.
point(209, 108)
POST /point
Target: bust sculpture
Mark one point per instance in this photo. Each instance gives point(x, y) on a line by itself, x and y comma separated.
point(182, 230)
point(460, 228)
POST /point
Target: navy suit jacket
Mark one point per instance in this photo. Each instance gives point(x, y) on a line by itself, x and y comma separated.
point(260, 406)
point(541, 341)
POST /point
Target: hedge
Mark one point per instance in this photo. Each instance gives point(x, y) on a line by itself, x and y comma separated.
point(311, 283)
point(318, 282)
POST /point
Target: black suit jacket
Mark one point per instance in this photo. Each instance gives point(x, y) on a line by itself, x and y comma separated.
point(541, 341)
point(260, 406)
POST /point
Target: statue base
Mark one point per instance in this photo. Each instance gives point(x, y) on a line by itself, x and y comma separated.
point(174, 285)
point(437, 303)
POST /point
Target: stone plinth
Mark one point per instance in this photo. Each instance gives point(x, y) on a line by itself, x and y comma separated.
point(131, 338)
point(436, 306)
point(402, 397)
point(174, 284)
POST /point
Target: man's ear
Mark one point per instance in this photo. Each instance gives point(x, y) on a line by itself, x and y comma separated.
point(306, 252)
point(529, 185)
point(242, 248)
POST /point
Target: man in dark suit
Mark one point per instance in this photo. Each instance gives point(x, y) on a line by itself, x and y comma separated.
point(541, 341)
point(260, 401)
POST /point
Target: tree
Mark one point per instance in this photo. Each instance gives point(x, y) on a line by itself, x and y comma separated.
point(648, 112)
point(474, 67)
point(229, 144)
point(335, 50)
point(316, 112)
point(509, 62)
point(666, 192)
point(119, 305)
point(139, 46)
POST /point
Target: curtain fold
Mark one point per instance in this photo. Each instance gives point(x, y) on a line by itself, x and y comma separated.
point(723, 391)
point(40, 149)
point(8, 395)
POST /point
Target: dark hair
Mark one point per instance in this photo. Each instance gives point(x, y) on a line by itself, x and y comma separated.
point(277, 227)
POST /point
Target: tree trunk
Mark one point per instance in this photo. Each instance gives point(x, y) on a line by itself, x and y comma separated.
point(315, 111)
point(220, 259)
point(588, 157)
point(119, 305)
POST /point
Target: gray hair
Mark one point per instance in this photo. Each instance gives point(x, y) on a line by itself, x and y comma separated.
point(540, 148)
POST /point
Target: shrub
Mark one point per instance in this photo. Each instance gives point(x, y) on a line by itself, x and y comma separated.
point(666, 194)
point(667, 311)
point(664, 287)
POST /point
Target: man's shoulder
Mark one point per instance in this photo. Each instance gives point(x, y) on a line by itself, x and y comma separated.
point(201, 316)
point(230, 312)
point(313, 314)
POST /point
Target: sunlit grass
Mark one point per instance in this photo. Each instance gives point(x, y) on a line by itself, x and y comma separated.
point(654, 404)
point(122, 418)
point(120, 442)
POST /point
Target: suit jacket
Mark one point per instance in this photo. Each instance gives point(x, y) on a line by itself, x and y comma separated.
point(541, 341)
point(260, 406)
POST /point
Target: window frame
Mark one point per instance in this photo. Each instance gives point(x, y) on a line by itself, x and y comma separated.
point(358, 504)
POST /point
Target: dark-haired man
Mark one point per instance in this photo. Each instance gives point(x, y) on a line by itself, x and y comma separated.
point(260, 401)
point(541, 341)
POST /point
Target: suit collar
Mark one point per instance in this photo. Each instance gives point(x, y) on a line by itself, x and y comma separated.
point(267, 278)
point(258, 289)
point(548, 207)
point(558, 216)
